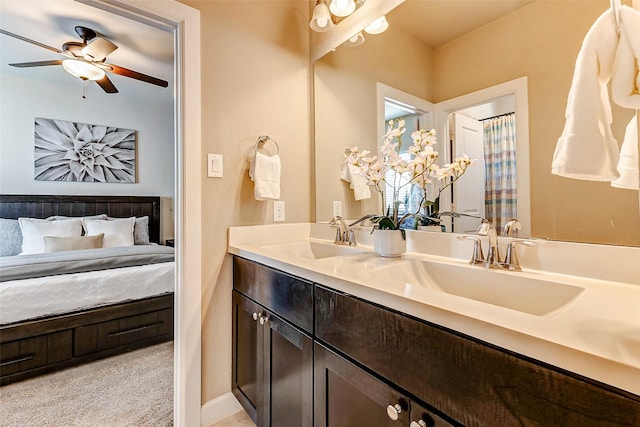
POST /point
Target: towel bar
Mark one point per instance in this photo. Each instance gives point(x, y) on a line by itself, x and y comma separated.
point(263, 139)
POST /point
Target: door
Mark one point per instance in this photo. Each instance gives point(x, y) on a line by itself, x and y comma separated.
point(245, 357)
point(468, 199)
point(288, 370)
point(347, 396)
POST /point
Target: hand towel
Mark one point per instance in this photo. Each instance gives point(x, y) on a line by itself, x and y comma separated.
point(587, 148)
point(625, 84)
point(265, 174)
point(628, 164)
point(358, 183)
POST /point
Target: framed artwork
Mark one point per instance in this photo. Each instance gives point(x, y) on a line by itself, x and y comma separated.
point(80, 152)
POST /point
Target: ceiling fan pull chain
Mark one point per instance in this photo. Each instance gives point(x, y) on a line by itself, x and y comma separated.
point(84, 89)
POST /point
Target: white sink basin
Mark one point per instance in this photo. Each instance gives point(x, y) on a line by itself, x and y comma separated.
point(510, 290)
point(312, 250)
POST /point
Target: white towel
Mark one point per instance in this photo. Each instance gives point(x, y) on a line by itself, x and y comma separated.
point(587, 148)
point(359, 185)
point(265, 174)
point(625, 85)
point(628, 164)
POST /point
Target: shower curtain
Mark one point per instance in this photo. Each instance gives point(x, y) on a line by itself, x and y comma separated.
point(500, 169)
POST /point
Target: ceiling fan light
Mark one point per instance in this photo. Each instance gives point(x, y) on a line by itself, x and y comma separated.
point(342, 7)
point(82, 69)
point(321, 19)
point(356, 40)
point(378, 26)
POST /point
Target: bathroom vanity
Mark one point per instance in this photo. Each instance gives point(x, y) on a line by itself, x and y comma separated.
point(312, 348)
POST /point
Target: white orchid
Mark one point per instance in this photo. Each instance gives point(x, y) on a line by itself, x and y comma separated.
point(420, 170)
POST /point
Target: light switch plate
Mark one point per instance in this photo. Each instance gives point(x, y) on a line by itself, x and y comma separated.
point(214, 165)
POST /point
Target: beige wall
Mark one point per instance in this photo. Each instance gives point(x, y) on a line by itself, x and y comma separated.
point(345, 108)
point(542, 41)
point(255, 80)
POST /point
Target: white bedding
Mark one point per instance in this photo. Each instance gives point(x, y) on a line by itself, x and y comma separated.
point(44, 296)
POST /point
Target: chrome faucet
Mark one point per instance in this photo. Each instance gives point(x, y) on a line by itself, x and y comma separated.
point(341, 230)
point(346, 234)
point(493, 260)
point(486, 228)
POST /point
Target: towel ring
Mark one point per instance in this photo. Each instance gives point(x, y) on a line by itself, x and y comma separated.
point(263, 139)
point(615, 9)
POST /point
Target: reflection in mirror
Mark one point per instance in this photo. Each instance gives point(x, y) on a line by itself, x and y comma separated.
point(451, 64)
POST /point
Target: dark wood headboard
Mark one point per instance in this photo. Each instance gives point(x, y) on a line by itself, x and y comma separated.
point(43, 206)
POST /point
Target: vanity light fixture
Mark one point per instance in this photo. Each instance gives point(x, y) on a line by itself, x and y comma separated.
point(342, 7)
point(321, 20)
point(378, 26)
point(83, 69)
point(356, 40)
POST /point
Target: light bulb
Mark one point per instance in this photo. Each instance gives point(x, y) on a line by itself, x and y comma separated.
point(356, 40)
point(342, 7)
point(321, 19)
point(83, 69)
point(378, 26)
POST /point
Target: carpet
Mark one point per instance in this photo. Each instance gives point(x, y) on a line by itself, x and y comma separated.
point(129, 390)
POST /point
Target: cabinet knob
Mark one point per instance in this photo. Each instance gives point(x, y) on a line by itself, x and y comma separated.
point(419, 423)
point(393, 411)
point(256, 316)
point(263, 319)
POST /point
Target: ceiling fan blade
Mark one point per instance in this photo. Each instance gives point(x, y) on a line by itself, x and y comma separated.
point(37, 63)
point(134, 75)
point(107, 85)
point(24, 39)
point(98, 49)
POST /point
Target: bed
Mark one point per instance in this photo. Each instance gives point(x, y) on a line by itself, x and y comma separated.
point(107, 301)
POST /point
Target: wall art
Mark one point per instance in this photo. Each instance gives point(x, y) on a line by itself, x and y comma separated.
point(80, 152)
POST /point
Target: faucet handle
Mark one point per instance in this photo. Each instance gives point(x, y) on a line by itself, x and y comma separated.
point(511, 259)
point(512, 227)
point(478, 256)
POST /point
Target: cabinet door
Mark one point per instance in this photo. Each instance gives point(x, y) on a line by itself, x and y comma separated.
point(246, 340)
point(288, 370)
point(347, 396)
point(423, 417)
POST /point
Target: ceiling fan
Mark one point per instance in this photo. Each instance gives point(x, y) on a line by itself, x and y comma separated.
point(86, 59)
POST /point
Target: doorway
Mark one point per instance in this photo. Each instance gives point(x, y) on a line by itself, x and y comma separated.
point(184, 22)
point(477, 103)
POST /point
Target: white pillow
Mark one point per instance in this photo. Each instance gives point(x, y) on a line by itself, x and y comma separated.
point(117, 232)
point(34, 230)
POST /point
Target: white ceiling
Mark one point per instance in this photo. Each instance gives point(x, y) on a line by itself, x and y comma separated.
point(437, 22)
point(141, 47)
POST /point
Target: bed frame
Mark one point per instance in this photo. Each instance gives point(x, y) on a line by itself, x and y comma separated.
point(35, 347)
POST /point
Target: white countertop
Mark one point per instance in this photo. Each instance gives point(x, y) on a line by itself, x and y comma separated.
point(596, 335)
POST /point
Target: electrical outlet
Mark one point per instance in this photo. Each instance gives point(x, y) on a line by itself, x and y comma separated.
point(278, 210)
point(337, 208)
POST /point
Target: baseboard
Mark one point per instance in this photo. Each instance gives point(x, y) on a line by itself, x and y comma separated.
point(218, 409)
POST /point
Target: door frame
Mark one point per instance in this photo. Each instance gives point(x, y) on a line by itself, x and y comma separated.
point(184, 22)
point(519, 89)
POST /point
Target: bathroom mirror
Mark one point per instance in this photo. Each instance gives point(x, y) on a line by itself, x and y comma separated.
point(539, 40)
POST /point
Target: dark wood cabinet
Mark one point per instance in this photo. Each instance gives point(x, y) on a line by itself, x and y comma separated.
point(346, 396)
point(472, 382)
point(330, 359)
point(272, 357)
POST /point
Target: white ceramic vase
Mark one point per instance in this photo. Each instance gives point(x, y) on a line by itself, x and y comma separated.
point(389, 243)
